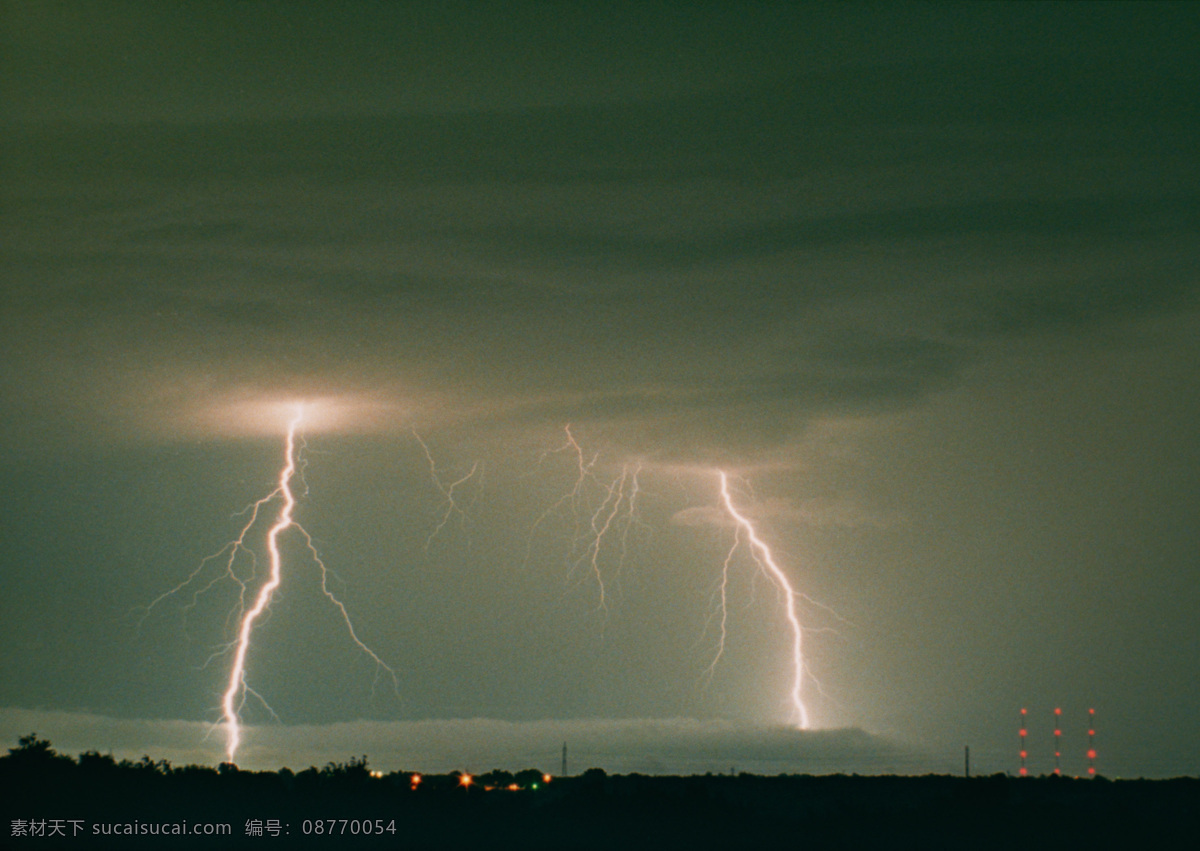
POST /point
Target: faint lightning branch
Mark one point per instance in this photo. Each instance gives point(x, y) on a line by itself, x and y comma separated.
point(631, 520)
point(723, 590)
point(380, 665)
point(765, 561)
point(450, 504)
point(603, 521)
point(233, 548)
point(262, 701)
point(600, 509)
point(572, 497)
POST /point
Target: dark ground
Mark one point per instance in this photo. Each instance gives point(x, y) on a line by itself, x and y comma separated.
point(46, 793)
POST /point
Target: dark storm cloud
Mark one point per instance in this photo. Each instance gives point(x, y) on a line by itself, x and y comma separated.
point(590, 262)
point(741, 314)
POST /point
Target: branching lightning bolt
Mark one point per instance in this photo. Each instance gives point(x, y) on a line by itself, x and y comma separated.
point(601, 503)
point(233, 548)
point(765, 561)
point(615, 513)
point(573, 496)
point(237, 690)
point(605, 518)
point(450, 504)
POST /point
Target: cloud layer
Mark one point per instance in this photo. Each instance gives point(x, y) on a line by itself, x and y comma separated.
point(658, 746)
point(701, 267)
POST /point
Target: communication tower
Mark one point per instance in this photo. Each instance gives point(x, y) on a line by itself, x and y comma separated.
point(1091, 751)
point(1057, 742)
point(1023, 752)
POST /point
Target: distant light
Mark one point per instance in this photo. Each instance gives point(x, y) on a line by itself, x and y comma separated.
point(1091, 754)
point(1023, 711)
point(1024, 771)
point(377, 774)
point(1091, 732)
point(1057, 711)
point(1024, 754)
point(546, 778)
point(534, 786)
point(466, 780)
point(1058, 732)
point(1091, 770)
point(415, 779)
point(1022, 732)
point(1091, 712)
point(513, 787)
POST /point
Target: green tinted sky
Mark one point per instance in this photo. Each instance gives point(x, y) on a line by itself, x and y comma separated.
point(925, 274)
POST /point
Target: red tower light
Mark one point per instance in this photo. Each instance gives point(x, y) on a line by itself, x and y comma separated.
point(1091, 743)
point(1022, 732)
point(1057, 741)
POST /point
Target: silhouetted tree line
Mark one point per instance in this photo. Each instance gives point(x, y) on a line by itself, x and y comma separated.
point(595, 810)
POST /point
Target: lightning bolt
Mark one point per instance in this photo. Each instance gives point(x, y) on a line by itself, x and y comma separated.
point(237, 674)
point(237, 690)
point(602, 505)
point(765, 561)
point(605, 518)
point(615, 513)
point(449, 503)
point(723, 608)
point(573, 496)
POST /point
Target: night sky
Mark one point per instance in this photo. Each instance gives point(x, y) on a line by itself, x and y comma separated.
point(923, 279)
